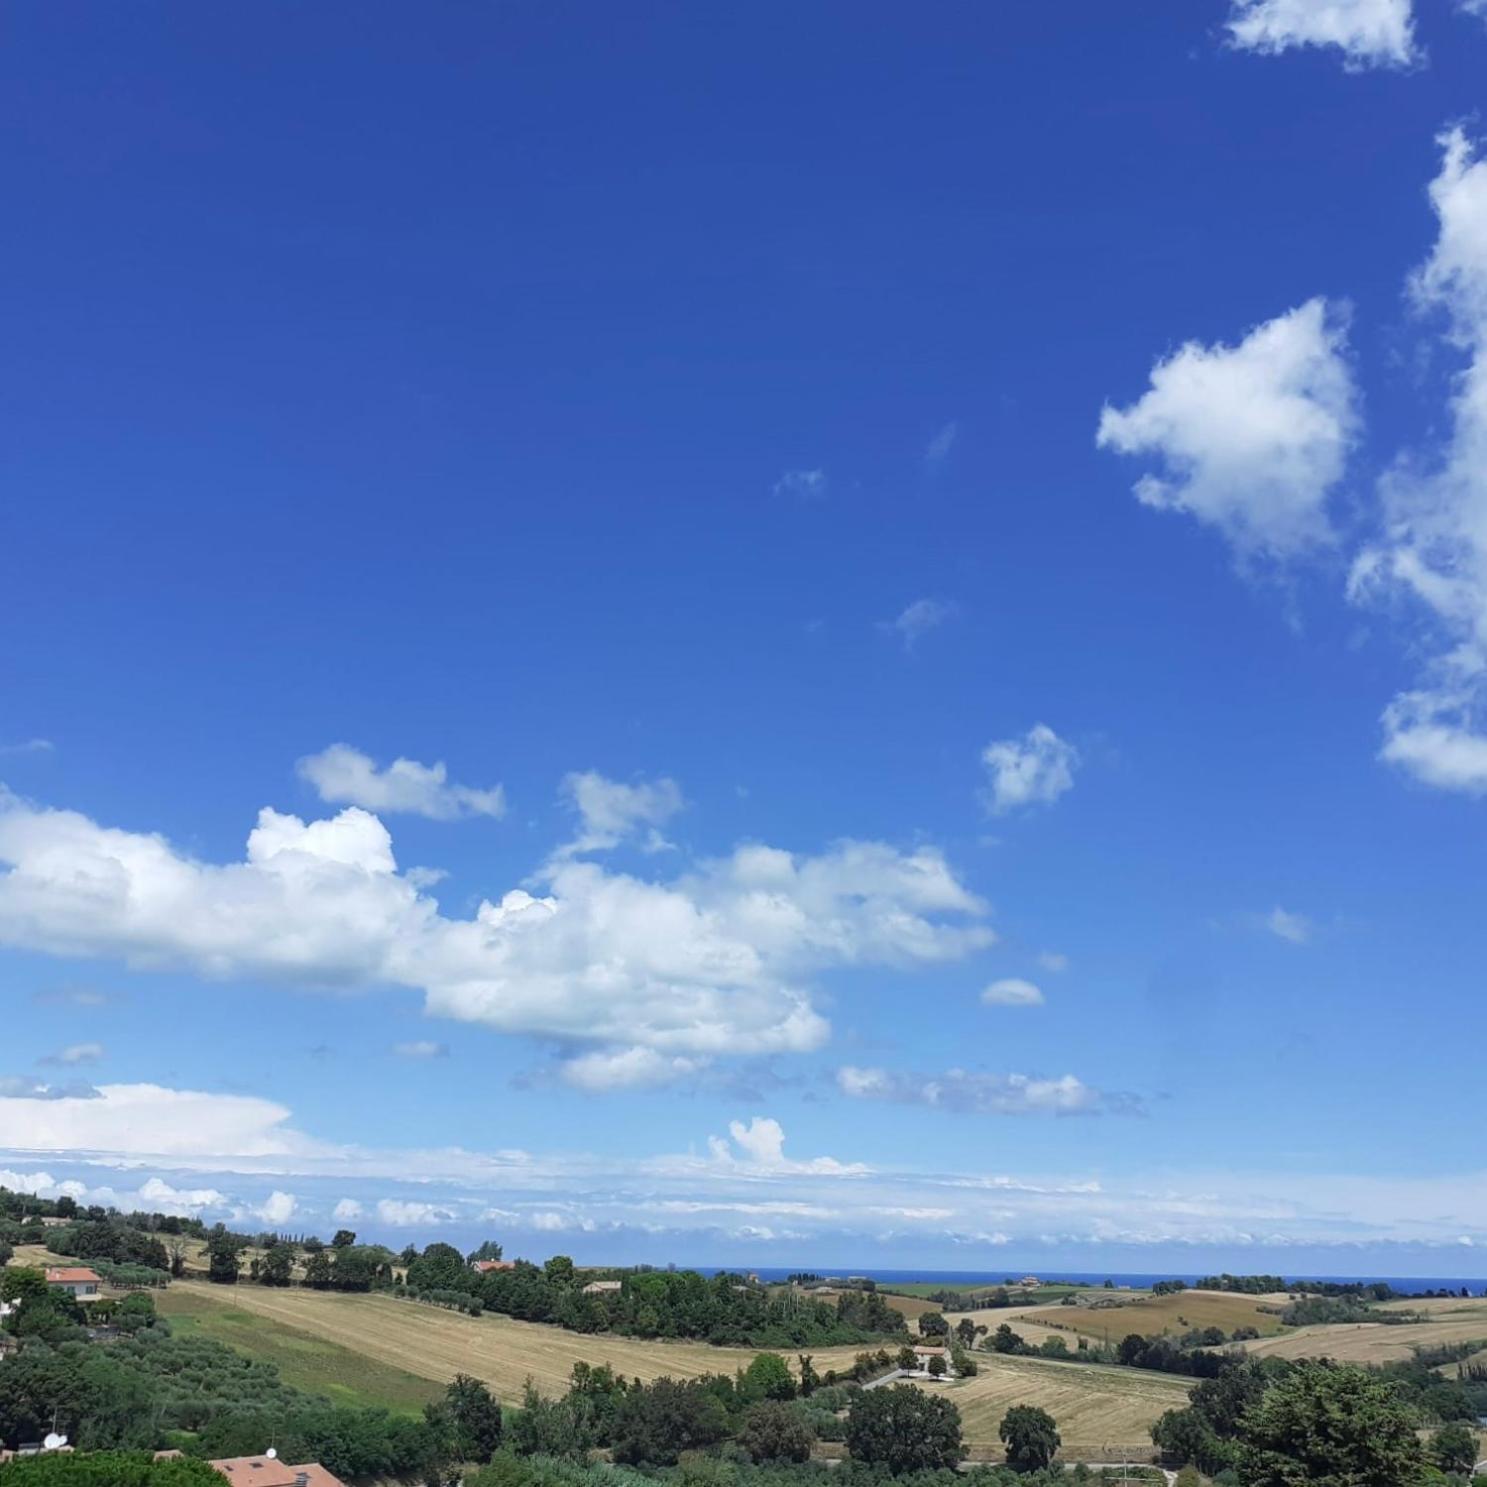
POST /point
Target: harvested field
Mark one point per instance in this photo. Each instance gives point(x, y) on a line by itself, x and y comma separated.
point(1098, 1410)
point(303, 1360)
point(1369, 1342)
point(1149, 1315)
point(437, 1344)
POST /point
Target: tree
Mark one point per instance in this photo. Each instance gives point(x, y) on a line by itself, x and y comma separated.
point(222, 1257)
point(936, 1367)
point(344, 1239)
point(772, 1431)
point(904, 1429)
point(109, 1469)
point(470, 1415)
point(768, 1377)
point(1005, 1340)
point(317, 1270)
point(965, 1330)
point(277, 1266)
point(490, 1250)
point(1132, 1346)
point(933, 1324)
point(907, 1359)
point(653, 1425)
point(559, 1270)
point(810, 1380)
point(1454, 1448)
point(1327, 1426)
point(440, 1267)
point(1030, 1437)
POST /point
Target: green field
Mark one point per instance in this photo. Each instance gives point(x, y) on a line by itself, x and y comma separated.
point(304, 1361)
point(929, 1287)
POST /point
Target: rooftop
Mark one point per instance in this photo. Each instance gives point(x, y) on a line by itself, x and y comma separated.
point(268, 1471)
point(63, 1275)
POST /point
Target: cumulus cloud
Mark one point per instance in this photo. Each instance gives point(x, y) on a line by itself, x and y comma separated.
point(423, 1048)
point(1032, 770)
point(1287, 926)
point(76, 1053)
point(342, 775)
point(609, 1069)
point(1369, 33)
point(402, 1213)
point(346, 1210)
point(918, 619)
point(715, 961)
point(610, 811)
point(1253, 438)
point(980, 1094)
point(801, 483)
point(759, 1147)
point(1012, 991)
point(1433, 550)
point(277, 1209)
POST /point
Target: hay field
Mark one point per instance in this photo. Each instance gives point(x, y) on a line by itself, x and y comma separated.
point(303, 1360)
point(437, 1344)
point(1369, 1342)
point(1098, 1410)
point(1148, 1315)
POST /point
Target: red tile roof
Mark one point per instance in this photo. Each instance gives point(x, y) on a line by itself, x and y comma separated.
point(266, 1471)
point(61, 1275)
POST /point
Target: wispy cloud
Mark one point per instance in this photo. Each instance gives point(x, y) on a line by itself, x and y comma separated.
point(76, 1053)
point(421, 1049)
point(808, 484)
point(916, 620)
point(969, 1093)
point(1012, 991)
point(28, 746)
point(941, 444)
point(1296, 928)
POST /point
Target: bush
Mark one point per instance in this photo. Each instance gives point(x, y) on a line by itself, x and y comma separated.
point(904, 1429)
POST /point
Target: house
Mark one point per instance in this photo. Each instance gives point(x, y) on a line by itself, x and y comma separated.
point(484, 1267)
point(602, 1287)
point(1031, 1282)
point(268, 1471)
point(82, 1282)
point(923, 1354)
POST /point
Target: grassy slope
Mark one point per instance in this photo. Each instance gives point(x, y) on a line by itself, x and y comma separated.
point(305, 1361)
point(1148, 1315)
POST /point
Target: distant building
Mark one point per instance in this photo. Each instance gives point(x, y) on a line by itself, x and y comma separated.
point(923, 1353)
point(602, 1287)
point(82, 1282)
point(1031, 1282)
point(269, 1471)
point(484, 1267)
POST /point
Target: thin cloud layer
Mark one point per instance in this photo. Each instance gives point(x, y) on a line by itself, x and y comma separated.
point(1369, 33)
point(716, 961)
point(1252, 438)
point(342, 775)
point(968, 1093)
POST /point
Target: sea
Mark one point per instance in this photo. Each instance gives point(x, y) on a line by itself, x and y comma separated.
point(1405, 1285)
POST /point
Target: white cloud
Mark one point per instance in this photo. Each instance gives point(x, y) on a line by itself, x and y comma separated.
point(939, 447)
point(717, 961)
point(28, 746)
point(610, 812)
point(1434, 545)
point(148, 1120)
point(759, 1147)
point(400, 1213)
point(422, 1049)
point(346, 1210)
point(918, 619)
point(1287, 926)
point(801, 483)
point(626, 1068)
point(979, 1094)
point(342, 775)
point(277, 1209)
point(76, 1053)
point(1012, 991)
point(1033, 770)
point(1369, 33)
point(1254, 437)
point(1052, 960)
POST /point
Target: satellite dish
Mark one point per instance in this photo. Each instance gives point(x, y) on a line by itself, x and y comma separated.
point(53, 1442)
point(271, 1453)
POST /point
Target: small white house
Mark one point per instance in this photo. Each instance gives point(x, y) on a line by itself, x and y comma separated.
point(82, 1282)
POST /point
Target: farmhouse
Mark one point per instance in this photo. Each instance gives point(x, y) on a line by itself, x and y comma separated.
point(484, 1267)
point(1031, 1282)
point(82, 1282)
point(269, 1471)
point(602, 1287)
point(922, 1355)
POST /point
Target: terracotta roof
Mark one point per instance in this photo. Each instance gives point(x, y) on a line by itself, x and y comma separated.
point(265, 1471)
point(939, 1351)
point(67, 1274)
point(483, 1265)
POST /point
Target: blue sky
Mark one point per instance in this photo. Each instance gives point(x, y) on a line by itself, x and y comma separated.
point(928, 573)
